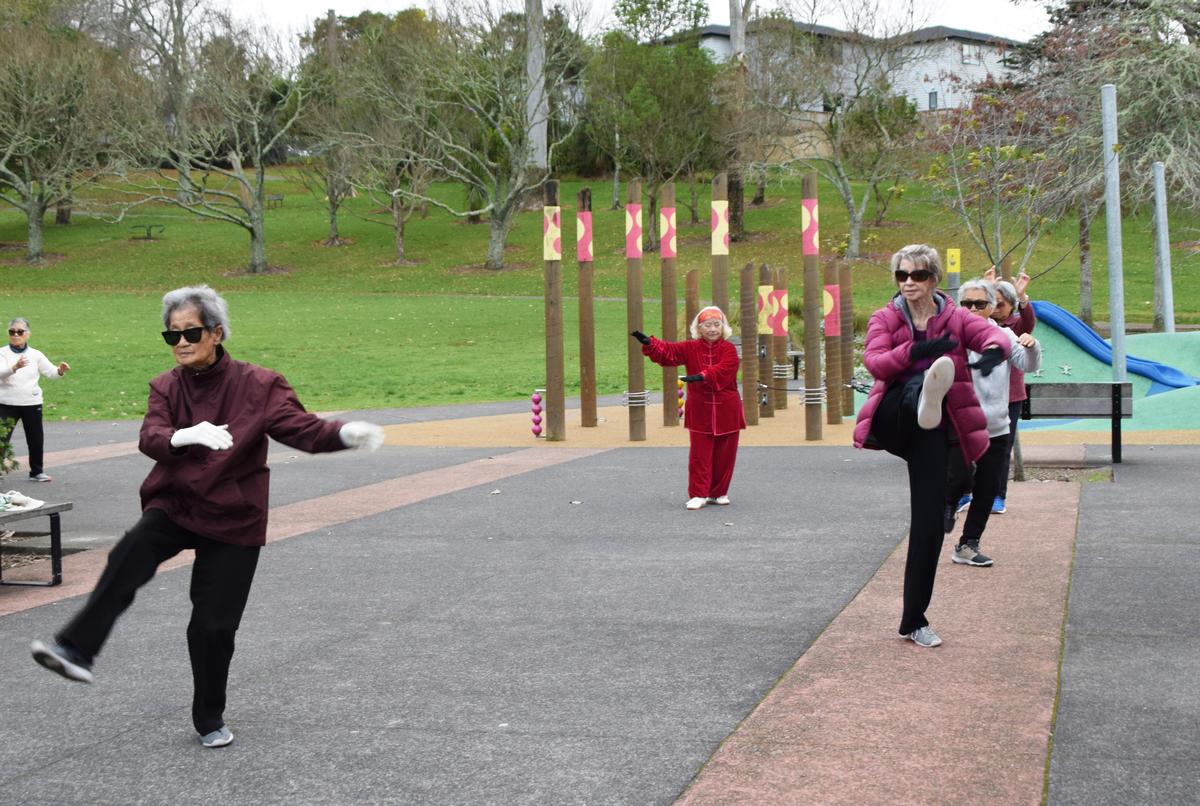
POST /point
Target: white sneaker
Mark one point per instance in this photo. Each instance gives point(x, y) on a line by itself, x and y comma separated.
point(938, 380)
point(720, 500)
point(924, 636)
point(221, 737)
point(696, 503)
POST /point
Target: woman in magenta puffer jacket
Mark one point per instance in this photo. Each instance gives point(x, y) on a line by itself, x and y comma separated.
point(713, 415)
point(923, 405)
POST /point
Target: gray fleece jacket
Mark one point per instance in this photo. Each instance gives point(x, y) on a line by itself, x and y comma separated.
point(992, 390)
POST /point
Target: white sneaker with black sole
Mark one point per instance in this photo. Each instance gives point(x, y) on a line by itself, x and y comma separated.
point(938, 380)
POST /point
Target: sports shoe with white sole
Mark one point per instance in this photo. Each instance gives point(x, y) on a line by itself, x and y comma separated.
point(999, 506)
point(966, 554)
point(938, 380)
point(964, 503)
point(720, 500)
point(63, 661)
point(696, 503)
point(220, 737)
point(924, 636)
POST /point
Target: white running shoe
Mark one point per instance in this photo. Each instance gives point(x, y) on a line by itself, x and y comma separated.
point(720, 500)
point(938, 380)
point(696, 503)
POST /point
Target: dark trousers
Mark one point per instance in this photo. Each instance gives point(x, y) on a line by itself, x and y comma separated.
point(30, 418)
point(221, 577)
point(1014, 417)
point(710, 464)
point(983, 485)
point(895, 428)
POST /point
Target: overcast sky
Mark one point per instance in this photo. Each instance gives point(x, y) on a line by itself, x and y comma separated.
point(999, 17)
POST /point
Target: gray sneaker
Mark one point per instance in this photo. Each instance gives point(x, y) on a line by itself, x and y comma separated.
point(966, 554)
point(220, 737)
point(924, 636)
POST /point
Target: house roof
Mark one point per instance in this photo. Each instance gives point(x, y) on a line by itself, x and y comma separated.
point(930, 34)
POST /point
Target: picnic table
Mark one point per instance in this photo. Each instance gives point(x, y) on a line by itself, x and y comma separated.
point(8, 516)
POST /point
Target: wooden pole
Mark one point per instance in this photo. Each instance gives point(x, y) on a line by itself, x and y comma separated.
point(833, 345)
point(636, 395)
point(766, 345)
point(748, 292)
point(720, 243)
point(810, 247)
point(780, 344)
point(691, 305)
point(587, 317)
point(667, 250)
point(556, 415)
point(846, 282)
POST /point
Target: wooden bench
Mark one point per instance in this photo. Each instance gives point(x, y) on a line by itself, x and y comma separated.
point(274, 200)
point(53, 511)
point(1062, 401)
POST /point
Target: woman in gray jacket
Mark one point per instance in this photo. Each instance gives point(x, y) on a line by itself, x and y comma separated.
point(991, 388)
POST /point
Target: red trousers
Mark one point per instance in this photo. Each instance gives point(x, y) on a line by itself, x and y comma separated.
point(710, 464)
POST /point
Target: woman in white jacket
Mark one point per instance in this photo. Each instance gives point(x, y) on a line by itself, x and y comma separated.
point(21, 367)
point(991, 387)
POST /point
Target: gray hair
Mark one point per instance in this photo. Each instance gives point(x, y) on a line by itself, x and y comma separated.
point(1008, 291)
point(208, 303)
point(980, 285)
point(694, 329)
point(922, 256)
point(19, 320)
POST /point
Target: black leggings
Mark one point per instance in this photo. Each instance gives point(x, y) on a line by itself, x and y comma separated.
point(30, 418)
point(221, 577)
point(982, 484)
point(894, 427)
point(1014, 417)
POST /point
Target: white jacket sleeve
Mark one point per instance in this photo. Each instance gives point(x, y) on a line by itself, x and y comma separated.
point(1026, 359)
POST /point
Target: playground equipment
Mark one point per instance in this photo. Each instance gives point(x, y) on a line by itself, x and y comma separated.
point(536, 407)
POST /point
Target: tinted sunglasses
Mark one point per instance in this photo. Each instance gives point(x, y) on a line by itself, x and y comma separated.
point(975, 304)
point(918, 275)
point(192, 334)
point(17, 332)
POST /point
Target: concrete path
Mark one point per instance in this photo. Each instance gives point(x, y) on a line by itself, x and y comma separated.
point(487, 623)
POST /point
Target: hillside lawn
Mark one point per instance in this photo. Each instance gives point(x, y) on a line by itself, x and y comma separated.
point(352, 330)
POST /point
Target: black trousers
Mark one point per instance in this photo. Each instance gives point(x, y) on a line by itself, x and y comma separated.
point(1014, 417)
point(895, 428)
point(983, 485)
point(30, 418)
point(221, 578)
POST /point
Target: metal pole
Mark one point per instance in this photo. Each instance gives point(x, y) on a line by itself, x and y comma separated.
point(556, 415)
point(667, 254)
point(1164, 295)
point(1112, 225)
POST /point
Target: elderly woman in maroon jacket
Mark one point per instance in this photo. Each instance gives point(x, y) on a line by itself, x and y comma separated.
point(713, 415)
point(916, 351)
point(206, 428)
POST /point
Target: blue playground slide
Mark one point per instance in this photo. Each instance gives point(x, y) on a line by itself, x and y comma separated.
point(1164, 378)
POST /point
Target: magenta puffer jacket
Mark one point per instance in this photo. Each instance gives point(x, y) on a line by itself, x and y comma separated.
point(889, 343)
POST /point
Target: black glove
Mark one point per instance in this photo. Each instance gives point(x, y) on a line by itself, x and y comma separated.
point(692, 378)
point(642, 337)
point(932, 349)
point(989, 359)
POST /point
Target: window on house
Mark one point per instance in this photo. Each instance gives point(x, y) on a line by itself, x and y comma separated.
point(971, 54)
point(933, 101)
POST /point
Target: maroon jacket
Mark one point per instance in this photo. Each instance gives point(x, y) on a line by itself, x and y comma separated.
point(886, 356)
point(1022, 322)
point(223, 494)
point(713, 404)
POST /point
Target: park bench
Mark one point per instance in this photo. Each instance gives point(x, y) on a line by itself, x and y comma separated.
point(147, 231)
point(53, 511)
point(274, 200)
point(1061, 401)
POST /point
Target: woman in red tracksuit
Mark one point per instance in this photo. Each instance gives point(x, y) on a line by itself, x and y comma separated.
point(713, 415)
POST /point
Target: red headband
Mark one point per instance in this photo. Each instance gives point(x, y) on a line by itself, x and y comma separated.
point(708, 313)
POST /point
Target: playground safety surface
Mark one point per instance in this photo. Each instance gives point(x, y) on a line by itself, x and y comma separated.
point(471, 615)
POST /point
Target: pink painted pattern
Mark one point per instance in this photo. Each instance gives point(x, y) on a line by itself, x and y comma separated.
point(720, 227)
point(633, 231)
point(833, 310)
point(666, 226)
point(583, 236)
point(810, 231)
point(551, 233)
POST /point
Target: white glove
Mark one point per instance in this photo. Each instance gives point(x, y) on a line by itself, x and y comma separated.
point(361, 434)
point(213, 437)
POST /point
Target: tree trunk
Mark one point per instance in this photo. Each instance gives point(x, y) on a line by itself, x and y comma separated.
point(737, 205)
point(333, 194)
point(398, 221)
point(36, 214)
point(62, 213)
point(760, 191)
point(854, 242)
point(650, 219)
point(258, 245)
point(616, 186)
point(1085, 267)
point(501, 224)
point(694, 204)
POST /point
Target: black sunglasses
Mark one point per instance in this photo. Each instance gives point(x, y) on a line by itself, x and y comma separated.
point(192, 334)
point(17, 332)
point(918, 275)
point(975, 304)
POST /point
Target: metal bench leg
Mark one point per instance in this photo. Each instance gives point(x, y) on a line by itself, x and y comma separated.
point(1116, 424)
point(55, 560)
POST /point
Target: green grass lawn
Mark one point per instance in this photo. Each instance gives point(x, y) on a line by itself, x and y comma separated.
point(351, 330)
